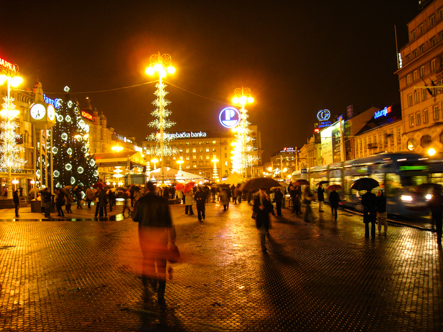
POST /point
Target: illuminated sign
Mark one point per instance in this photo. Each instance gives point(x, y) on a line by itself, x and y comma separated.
point(229, 117)
point(54, 102)
point(384, 112)
point(187, 135)
point(323, 115)
point(414, 168)
point(290, 150)
point(86, 115)
point(124, 139)
point(8, 65)
point(324, 124)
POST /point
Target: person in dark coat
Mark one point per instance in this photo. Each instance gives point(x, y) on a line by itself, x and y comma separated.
point(16, 200)
point(60, 201)
point(334, 199)
point(102, 202)
point(278, 200)
point(369, 202)
point(46, 201)
point(156, 230)
point(262, 208)
point(382, 214)
point(320, 197)
point(78, 197)
point(436, 206)
point(200, 199)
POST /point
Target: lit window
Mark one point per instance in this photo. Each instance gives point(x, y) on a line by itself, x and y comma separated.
point(415, 75)
point(410, 99)
point(417, 96)
point(418, 118)
point(422, 71)
point(433, 65)
point(411, 120)
point(435, 112)
point(214, 142)
point(425, 116)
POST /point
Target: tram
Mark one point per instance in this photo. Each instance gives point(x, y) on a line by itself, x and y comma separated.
point(397, 173)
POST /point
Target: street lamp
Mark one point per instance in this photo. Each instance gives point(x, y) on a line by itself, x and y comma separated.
point(214, 173)
point(180, 162)
point(10, 158)
point(117, 148)
point(161, 64)
point(243, 147)
point(154, 161)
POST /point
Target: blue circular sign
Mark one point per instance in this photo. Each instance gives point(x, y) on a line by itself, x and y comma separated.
point(323, 115)
point(229, 117)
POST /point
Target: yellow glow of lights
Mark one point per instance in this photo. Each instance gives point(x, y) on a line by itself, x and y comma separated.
point(16, 81)
point(117, 148)
point(431, 152)
point(270, 169)
point(235, 100)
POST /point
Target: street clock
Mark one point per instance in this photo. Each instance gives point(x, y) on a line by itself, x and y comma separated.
point(42, 115)
point(38, 111)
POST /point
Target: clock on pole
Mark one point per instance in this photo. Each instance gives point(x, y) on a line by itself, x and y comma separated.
point(42, 115)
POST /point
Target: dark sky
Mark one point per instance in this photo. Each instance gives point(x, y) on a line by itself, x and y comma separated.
point(296, 56)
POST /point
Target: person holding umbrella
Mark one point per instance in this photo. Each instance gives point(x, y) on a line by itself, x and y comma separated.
point(262, 208)
point(369, 202)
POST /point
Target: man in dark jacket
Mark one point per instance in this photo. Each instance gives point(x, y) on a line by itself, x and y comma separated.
point(382, 214)
point(320, 197)
point(369, 202)
point(200, 198)
point(278, 199)
point(46, 201)
point(436, 206)
point(155, 231)
point(16, 200)
point(334, 199)
point(262, 208)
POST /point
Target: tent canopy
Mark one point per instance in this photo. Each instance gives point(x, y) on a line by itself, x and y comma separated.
point(234, 178)
point(173, 174)
point(119, 159)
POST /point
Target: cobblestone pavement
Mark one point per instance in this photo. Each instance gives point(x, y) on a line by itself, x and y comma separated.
point(319, 276)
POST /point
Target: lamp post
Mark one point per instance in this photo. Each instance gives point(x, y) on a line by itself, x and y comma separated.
point(161, 64)
point(214, 173)
point(154, 161)
point(180, 162)
point(243, 97)
point(9, 158)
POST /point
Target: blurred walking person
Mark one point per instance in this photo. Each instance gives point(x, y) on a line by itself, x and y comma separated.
point(436, 206)
point(224, 198)
point(278, 199)
point(156, 230)
point(90, 196)
point(320, 197)
point(334, 200)
point(382, 214)
point(262, 208)
point(78, 196)
point(60, 201)
point(308, 198)
point(102, 203)
point(16, 201)
point(188, 203)
point(369, 202)
point(200, 199)
point(126, 203)
point(46, 200)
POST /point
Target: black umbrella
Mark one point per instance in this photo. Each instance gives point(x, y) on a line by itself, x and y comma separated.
point(301, 182)
point(364, 184)
point(323, 182)
point(259, 183)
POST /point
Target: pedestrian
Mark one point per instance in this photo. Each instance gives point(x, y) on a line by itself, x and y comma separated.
point(382, 214)
point(369, 202)
point(262, 208)
point(16, 201)
point(126, 203)
point(156, 229)
point(68, 200)
point(200, 199)
point(278, 200)
point(239, 193)
point(111, 197)
point(307, 199)
point(213, 192)
point(102, 203)
point(334, 200)
point(234, 195)
point(60, 201)
point(224, 198)
point(90, 196)
point(78, 196)
point(320, 197)
point(46, 201)
point(436, 206)
point(179, 194)
point(188, 203)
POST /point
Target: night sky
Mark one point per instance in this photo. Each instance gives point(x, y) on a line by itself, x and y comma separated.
point(297, 57)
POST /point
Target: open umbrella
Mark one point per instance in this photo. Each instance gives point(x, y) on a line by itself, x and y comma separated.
point(188, 187)
point(334, 187)
point(364, 184)
point(135, 188)
point(258, 183)
point(179, 186)
point(98, 184)
point(322, 182)
point(301, 182)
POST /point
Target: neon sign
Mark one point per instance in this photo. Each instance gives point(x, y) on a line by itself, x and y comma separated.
point(187, 135)
point(229, 117)
point(323, 115)
point(384, 112)
point(8, 65)
point(86, 115)
point(54, 102)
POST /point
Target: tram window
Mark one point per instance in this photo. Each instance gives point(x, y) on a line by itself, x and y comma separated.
point(392, 185)
point(411, 179)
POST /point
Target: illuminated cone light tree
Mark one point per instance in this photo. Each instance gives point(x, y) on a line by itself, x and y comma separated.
point(243, 145)
point(161, 64)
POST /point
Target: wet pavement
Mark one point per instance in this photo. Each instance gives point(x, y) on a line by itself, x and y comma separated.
point(83, 275)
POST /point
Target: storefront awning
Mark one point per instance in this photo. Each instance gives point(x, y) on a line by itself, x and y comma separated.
point(119, 159)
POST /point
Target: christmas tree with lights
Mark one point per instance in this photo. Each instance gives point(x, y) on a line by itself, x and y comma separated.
point(73, 165)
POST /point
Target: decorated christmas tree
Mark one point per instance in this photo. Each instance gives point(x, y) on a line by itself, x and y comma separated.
point(73, 165)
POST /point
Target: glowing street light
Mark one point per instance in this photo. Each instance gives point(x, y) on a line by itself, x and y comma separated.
point(154, 161)
point(117, 148)
point(214, 173)
point(180, 162)
point(10, 157)
point(431, 152)
point(161, 65)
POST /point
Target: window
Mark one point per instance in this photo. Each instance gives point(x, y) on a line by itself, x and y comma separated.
point(187, 150)
point(413, 35)
point(422, 71)
point(226, 155)
point(207, 150)
point(214, 142)
point(200, 143)
point(432, 20)
point(424, 94)
point(433, 41)
point(420, 29)
point(418, 118)
point(415, 75)
point(398, 139)
point(194, 157)
point(422, 49)
point(411, 120)
point(207, 157)
point(435, 112)
point(425, 116)
point(414, 53)
point(408, 79)
point(433, 65)
point(410, 99)
point(417, 96)
point(213, 150)
point(187, 158)
point(194, 150)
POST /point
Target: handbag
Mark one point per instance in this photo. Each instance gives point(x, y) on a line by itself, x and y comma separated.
point(173, 253)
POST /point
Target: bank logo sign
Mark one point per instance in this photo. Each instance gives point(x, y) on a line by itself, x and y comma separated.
point(229, 117)
point(323, 115)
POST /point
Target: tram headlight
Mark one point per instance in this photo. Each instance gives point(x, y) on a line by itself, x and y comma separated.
point(428, 197)
point(406, 198)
